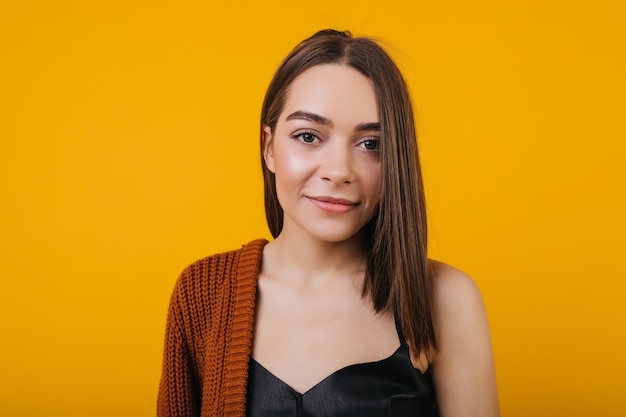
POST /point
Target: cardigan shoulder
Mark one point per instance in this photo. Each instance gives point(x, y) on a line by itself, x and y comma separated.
point(209, 333)
point(205, 287)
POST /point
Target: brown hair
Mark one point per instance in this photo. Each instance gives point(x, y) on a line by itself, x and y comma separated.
point(397, 273)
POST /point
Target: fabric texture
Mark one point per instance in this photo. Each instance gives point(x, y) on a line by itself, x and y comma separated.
point(209, 336)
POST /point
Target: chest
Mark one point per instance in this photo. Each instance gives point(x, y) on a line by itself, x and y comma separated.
point(303, 339)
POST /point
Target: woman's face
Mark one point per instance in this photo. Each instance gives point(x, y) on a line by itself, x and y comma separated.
point(325, 154)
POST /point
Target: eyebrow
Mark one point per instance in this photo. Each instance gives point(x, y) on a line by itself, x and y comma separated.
point(361, 127)
point(312, 117)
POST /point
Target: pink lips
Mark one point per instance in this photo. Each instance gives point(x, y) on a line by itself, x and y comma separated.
point(333, 205)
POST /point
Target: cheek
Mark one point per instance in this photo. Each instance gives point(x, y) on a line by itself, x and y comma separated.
point(292, 172)
point(289, 164)
point(373, 180)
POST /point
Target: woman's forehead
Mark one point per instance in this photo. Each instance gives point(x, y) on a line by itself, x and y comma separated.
point(333, 91)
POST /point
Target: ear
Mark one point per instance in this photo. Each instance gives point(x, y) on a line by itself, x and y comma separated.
point(268, 149)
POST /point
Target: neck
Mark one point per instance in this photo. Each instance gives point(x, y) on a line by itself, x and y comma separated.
point(308, 262)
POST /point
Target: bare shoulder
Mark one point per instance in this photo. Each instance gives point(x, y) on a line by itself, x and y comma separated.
point(459, 311)
point(455, 291)
point(463, 368)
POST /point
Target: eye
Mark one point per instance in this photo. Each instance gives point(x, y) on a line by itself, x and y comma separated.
point(371, 144)
point(306, 136)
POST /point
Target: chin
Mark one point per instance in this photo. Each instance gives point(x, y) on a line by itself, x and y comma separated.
point(333, 235)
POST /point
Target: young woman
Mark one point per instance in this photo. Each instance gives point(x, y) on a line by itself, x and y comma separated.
point(341, 314)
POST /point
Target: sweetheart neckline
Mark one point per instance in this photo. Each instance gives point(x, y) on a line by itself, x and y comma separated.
point(338, 371)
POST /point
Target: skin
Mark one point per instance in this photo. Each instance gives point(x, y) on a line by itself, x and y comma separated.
point(311, 319)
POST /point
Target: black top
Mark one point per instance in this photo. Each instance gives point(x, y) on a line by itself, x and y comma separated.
point(389, 387)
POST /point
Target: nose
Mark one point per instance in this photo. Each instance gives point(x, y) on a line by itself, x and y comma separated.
point(337, 164)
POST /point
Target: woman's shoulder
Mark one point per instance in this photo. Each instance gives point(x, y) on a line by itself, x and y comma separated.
point(452, 284)
point(463, 367)
point(222, 266)
point(459, 311)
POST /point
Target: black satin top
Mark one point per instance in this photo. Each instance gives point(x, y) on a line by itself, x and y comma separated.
point(389, 387)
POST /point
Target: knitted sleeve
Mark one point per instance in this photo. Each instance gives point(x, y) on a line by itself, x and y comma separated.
point(209, 336)
point(179, 389)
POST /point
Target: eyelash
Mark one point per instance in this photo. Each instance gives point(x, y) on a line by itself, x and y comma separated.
point(376, 141)
point(300, 133)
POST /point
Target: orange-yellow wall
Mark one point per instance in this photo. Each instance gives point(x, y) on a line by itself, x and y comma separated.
point(129, 149)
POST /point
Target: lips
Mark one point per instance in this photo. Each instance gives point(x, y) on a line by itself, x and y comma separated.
point(332, 204)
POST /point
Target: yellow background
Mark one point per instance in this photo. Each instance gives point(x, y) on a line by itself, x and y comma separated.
point(129, 149)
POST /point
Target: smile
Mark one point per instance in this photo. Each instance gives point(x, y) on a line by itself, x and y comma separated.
point(332, 205)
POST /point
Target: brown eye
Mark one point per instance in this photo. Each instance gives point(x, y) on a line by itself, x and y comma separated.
point(371, 144)
point(307, 137)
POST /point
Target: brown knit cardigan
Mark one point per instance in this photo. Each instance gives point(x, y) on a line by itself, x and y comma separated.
point(209, 336)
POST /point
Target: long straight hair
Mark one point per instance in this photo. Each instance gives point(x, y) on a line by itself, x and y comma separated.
point(397, 273)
